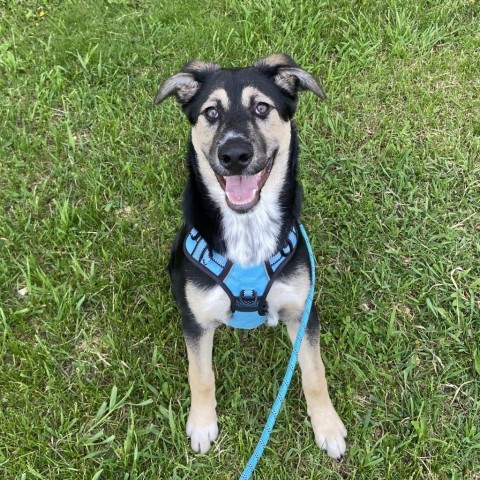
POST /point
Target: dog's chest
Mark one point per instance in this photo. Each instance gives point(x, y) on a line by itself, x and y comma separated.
point(250, 238)
point(286, 301)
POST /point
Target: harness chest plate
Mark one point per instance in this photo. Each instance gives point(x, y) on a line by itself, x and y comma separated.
point(247, 287)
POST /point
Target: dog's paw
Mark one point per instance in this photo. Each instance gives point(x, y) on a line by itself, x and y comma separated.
point(330, 432)
point(202, 435)
point(272, 319)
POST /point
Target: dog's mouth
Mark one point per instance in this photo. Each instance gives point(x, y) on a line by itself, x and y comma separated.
point(242, 192)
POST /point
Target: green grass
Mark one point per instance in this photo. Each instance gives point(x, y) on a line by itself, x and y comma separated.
point(93, 375)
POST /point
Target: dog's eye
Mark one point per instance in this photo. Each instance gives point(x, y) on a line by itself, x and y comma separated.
point(262, 108)
point(211, 113)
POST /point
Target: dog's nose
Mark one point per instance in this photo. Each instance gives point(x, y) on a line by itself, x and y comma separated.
point(235, 154)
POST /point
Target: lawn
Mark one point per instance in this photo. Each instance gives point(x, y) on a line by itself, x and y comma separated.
point(93, 373)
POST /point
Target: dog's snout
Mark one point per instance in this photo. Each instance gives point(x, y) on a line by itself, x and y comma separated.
point(235, 154)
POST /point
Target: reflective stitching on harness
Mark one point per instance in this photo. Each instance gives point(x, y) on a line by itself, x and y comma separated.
point(247, 287)
point(216, 261)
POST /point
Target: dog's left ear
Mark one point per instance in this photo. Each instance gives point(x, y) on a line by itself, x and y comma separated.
point(187, 82)
point(288, 75)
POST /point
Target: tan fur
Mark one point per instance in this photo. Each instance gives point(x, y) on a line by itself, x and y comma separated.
point(218, 95)
point(201, 66)
point(202, 425)
point(286, 299)
point(200, 136)
point(329, 430)
point(273, 60)
point(203, 131)
point(210, 306)
point(251, 92)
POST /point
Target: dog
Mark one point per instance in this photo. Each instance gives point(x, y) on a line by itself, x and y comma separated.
point(241, 206)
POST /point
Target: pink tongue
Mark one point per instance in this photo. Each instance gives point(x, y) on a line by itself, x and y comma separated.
point(241, 189)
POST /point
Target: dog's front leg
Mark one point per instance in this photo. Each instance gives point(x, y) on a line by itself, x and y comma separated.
point(330, 433)
point(202, 425)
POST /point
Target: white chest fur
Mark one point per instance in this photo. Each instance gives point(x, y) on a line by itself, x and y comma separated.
point(252, 237)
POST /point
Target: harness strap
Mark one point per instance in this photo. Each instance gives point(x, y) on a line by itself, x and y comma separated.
point(247, 287)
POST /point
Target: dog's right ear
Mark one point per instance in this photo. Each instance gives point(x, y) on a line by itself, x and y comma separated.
point(187, 82)
point(288, 75)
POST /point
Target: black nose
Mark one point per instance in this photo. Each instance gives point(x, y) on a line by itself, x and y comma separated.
point(235, 154)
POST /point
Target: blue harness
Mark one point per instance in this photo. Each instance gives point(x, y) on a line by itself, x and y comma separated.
point(247, 287)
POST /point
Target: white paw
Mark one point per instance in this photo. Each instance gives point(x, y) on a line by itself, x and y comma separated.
point(330, 432)
point(201, 436)
point(272, 319)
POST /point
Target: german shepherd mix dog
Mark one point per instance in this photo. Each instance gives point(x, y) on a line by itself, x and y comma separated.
point(241, 206)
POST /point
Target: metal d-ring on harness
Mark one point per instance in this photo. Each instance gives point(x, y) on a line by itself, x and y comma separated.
point(250, 309)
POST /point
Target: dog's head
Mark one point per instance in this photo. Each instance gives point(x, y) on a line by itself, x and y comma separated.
point(240, 121)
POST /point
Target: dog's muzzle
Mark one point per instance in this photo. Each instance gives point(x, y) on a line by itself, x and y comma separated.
point(242, 192)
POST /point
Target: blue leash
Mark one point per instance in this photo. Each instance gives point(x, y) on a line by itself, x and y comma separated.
point(277, 405)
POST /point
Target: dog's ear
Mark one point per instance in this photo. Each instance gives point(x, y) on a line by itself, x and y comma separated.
point(187, 82)
point(183, 85)
point(288, 75)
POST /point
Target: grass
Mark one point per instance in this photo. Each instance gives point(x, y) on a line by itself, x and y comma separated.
point(93, 373)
